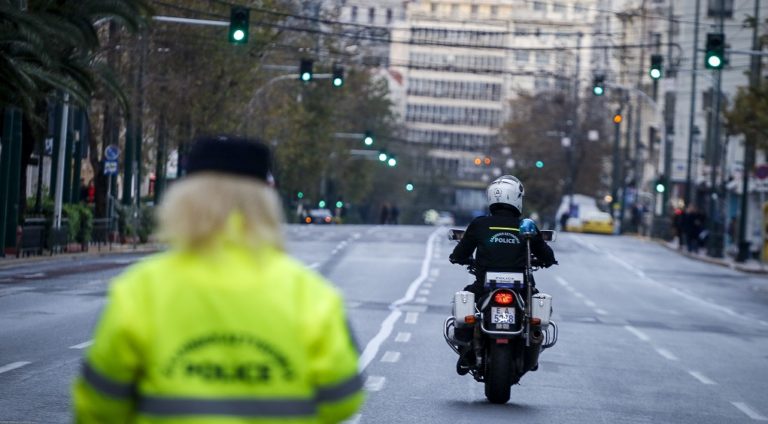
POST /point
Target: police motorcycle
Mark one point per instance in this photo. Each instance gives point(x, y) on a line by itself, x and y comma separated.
point(511, 324)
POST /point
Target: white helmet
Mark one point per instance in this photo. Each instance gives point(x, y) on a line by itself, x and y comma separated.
point(506, 190)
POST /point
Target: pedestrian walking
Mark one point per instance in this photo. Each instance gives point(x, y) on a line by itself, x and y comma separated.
point(394, 215)
point(693, 223)
point(224, 327)
point(384, 214)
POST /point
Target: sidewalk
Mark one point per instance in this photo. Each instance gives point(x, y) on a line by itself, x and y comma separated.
point(751, 265)
point(116, 249)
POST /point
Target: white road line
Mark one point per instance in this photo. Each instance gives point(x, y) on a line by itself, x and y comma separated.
point(35, 275)
point(579, 295)
point(374, 383)
point(667, 354)
point(701, 377)
point(390, 356)
point(765, 323)
point(12, 366)
point(625, 265)
point(315, 265)
point(424, 292)
point(411, 317)
point(751, 413)
point(640, 335)
point(435, 273)
point(427, 285)
point(570, 289)
point(403, 337)
point(562, 281)
point(589, 303)
point(420, 300)
point(586, 244)
point(601, 311)
point(82, 345)
point(354, 420)
point(334, 251)
point(372, 348)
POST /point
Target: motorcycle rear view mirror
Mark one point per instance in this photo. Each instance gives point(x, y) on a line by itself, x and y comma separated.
point(549, 235)
point(455, 234)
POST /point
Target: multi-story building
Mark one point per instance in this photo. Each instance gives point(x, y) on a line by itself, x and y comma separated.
point(461, 64)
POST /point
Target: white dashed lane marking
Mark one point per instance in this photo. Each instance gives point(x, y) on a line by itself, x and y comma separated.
point(427, 285)
point(751, 413)
point(590, 303)
point(421, 300)
point(390, 356)
point(667, 354)
point(13, 365)
point(424, 292)
point(82, 345)
point(701, 377)
point(374, 383)
point(403, 337)
point(640, 335)
point(411, 317)
point(601, 311)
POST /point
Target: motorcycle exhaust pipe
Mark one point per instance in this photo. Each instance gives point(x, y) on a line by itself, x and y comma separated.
point(531, 358)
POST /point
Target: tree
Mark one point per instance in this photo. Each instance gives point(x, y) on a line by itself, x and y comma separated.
point(749, 114)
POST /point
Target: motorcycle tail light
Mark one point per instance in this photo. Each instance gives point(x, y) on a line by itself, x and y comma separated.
point(327, 219)
point(469, 319)
point(503, 297)
point(535, 321)
point(307, 220)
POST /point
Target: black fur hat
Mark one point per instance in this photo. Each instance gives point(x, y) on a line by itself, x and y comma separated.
point(230, 155)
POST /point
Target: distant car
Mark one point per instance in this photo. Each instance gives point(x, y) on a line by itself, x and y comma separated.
point(445, 218)
point(319, 216)
point(597, 222)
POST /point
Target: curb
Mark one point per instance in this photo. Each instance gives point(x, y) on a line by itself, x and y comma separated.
point(118, 249)
point(761, 270)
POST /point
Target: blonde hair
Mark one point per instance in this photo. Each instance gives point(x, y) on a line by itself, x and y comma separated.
point(196, 211)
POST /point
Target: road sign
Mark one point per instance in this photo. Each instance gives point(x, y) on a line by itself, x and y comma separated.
point(761, 171)
point(110, 167)
point(111, 152)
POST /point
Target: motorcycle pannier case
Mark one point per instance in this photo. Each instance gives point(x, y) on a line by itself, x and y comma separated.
point(542, 307)
point(463, 305)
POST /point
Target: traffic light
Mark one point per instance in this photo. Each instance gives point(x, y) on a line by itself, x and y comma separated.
point(392, 161)
point(305, 70)
point(339, 204)
point(409, 187)
point(539, 164)
point(661, 184)
point(239, 18)
point(368, 138)
point(383, 156)
point(478, 161)
point(337, 75)
point(715, 51)
point(598, 88)
point(300, 195)
point(617, 118)
point(656, 66)
point(321, 204)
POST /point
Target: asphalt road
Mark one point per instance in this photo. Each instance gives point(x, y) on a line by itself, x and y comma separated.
point(646, 336)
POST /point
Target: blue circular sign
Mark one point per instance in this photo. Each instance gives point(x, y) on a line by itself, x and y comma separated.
point(111, 152)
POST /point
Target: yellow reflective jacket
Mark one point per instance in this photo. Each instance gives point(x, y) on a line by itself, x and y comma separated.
point(238, 336)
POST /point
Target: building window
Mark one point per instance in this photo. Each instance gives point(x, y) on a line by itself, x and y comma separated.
point(354, 14)
point(558, 8)
point(717, 7)
point(455, 10)
point(521, 56)
point(389, 16)
point(539, 6)
point(371, 14)
point(433, 7)
point(494, 11)
point(579, 8)
point(542, 58)
point(474, 10)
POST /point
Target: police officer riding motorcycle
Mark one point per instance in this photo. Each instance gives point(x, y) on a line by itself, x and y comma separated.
point(494, 325)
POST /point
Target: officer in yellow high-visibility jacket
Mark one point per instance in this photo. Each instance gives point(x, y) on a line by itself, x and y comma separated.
point(224, 327)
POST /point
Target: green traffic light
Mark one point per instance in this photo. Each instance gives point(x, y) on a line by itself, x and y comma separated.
point(368, 140)
point(660, 188)
point(392, 162)
point(339, 204)
point(409, 187)
point(300, 195)
point(321, 204)
point(714, 61)
point(598, 90)
point(655, 73)
point(306, 76)
point(338, 82)
point(539, 164)
point(238, 35)
point(383, 157)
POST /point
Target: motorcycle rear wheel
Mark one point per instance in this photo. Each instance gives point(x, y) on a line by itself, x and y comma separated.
point(498, 375)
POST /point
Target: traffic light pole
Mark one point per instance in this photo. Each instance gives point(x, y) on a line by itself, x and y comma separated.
point(691, 120)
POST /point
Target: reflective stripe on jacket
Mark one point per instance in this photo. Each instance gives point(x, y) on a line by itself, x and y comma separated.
point(235, 336)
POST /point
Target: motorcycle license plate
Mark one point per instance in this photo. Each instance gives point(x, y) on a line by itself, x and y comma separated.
point(502, 315)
